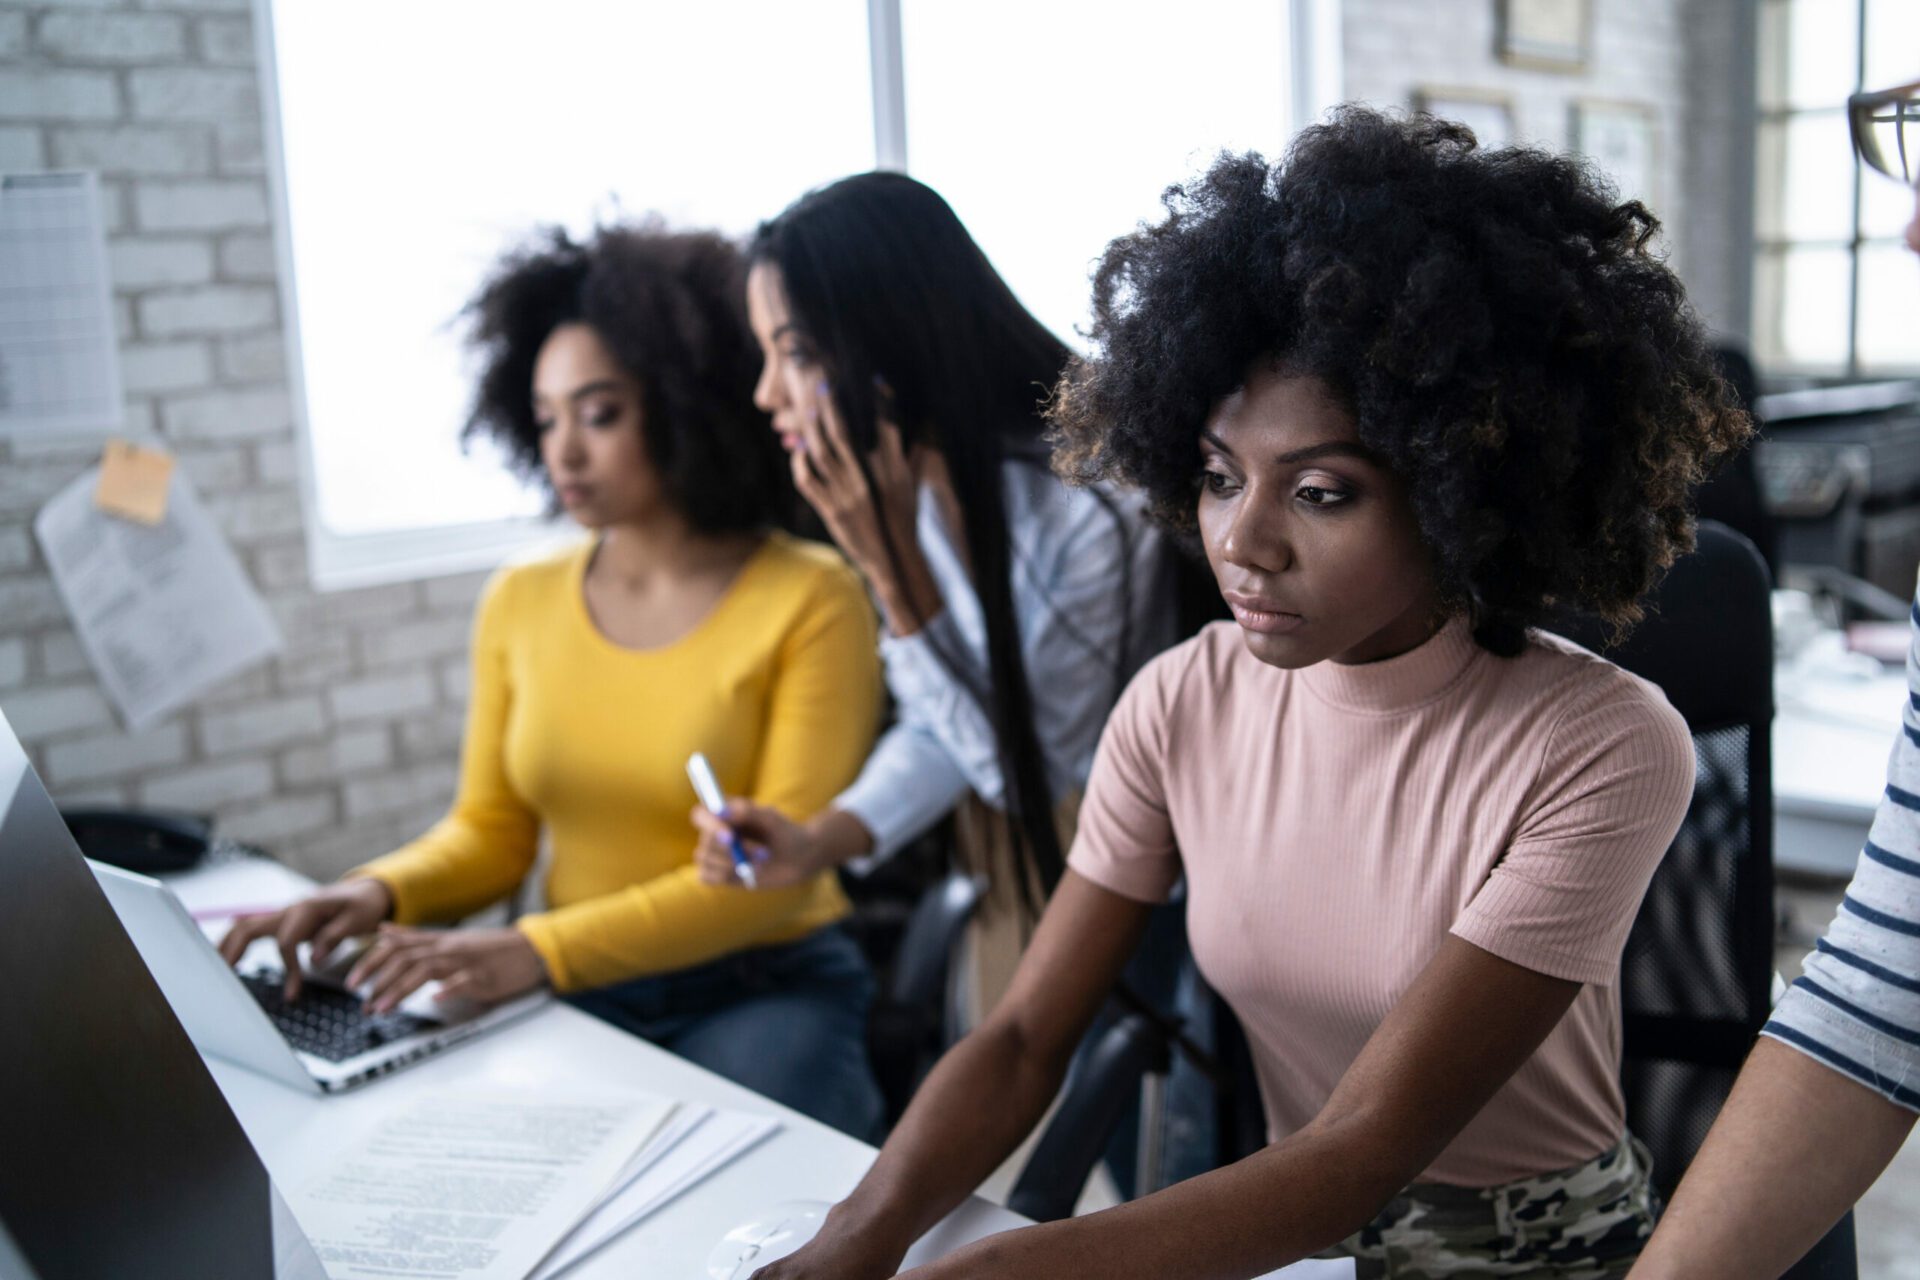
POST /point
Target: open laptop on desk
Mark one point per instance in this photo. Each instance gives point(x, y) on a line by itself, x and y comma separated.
point(118, 1154)
point(324, 1040)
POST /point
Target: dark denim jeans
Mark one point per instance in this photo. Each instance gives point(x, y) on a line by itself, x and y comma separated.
point(787, 1021)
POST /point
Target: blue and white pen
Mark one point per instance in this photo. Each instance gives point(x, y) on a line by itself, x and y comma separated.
point(707, 787)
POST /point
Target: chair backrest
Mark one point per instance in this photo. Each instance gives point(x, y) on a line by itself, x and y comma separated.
point(914, 1021)
point(1102, 1085)
point(1698, 968)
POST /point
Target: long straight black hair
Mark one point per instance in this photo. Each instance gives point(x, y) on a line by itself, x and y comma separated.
point(904, 314)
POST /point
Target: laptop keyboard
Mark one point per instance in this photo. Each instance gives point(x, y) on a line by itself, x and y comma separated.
point(326, 1023)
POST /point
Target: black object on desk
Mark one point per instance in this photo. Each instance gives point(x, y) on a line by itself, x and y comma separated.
point(151, 842)
point(1840, 470)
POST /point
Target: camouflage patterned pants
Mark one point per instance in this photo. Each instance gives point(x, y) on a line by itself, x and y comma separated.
point(1584, 1223)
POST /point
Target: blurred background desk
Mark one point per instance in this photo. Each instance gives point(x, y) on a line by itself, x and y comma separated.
point(1837, 719)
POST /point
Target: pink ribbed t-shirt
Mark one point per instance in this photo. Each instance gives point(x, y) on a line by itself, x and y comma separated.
point(1335, 823)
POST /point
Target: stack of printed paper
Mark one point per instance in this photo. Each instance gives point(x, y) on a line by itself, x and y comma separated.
point(697, 1141)
point(497, 1186)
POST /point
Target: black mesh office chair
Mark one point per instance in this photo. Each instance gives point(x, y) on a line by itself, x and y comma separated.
point(913, 1021)
point(1103, 1085)
point(1698, 969)
point(1697, 974)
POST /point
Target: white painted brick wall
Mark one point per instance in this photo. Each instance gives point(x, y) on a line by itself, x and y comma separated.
point(208, 787)
point(257, 725)
point(193, 94)
point(210, 6)
point(226, 416)
point(20, 149)
point(49, 711)
point(228, 41)
point(350, 752)
point(115, 755)
point(160, 98)
point(1394, 47)
point(383, 697)
point(121, 38)
point(214, 469)
point(273, 823)
point(214, 309)
point(398, 789)
point(60, 656)
point(402, 645)
point(248, 257)
point(150, 368)
point(144, 264)
point(13, 663)
point(260, 358)
point(158, 150)
point(222, 205)
point(16, 549)
point(35, 93)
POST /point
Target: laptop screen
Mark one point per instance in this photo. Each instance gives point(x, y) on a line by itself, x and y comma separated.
point(121, 1156)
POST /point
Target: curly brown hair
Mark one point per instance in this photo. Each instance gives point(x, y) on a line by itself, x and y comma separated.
point(671, 308)
point(1496, 321)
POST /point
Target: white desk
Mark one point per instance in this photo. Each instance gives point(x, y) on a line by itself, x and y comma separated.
point(555, 1050)
point(1835, 726)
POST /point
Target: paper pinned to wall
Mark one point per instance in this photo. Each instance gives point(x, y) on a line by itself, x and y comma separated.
point(59, 352)
point(163, 613)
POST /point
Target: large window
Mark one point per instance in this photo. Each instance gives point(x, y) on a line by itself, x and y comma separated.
point(1833, 284)
point(1050, 144)
point(418, 140)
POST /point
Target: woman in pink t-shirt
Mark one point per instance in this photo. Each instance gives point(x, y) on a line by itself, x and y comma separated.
point(1412, 397)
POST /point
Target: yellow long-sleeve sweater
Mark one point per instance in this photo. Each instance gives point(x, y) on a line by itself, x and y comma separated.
point(779, 685)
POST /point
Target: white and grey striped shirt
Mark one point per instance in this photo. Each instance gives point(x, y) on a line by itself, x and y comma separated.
point(1856, 1006)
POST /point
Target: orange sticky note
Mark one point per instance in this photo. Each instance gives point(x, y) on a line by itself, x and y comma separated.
point(133, 482)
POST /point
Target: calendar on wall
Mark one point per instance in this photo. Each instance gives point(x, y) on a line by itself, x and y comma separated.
point(59, 362)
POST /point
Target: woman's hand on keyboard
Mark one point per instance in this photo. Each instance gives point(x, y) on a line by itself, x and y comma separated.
point(487, 965)
point(328, 918)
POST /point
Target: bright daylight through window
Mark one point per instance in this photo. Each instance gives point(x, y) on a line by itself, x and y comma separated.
point(466, 126)
point(1832, 284)
point(1062, 153)
point(477, 125)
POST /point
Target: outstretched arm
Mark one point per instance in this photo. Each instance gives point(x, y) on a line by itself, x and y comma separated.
point(1795, 1146)
point(985, 1095)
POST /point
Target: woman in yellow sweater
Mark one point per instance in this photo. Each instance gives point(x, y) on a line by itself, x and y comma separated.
point(620, 372)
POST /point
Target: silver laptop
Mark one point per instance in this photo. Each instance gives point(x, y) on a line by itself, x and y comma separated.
point(324, 1040)
point(118, 1155)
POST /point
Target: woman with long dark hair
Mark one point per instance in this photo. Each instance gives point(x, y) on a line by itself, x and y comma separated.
point(908, 385)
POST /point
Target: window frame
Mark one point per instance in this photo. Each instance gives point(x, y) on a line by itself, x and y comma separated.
point(338, 561)
point(1771, 252)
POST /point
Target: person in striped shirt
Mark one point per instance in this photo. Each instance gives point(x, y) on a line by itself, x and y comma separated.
point(1833, 1088)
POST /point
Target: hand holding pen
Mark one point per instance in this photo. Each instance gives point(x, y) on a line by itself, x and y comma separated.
point(707, 787)
point(778, 851)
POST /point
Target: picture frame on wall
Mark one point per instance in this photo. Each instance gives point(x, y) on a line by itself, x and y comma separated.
point(1623, 140)
point(1489, 115)
point(1549, 35)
